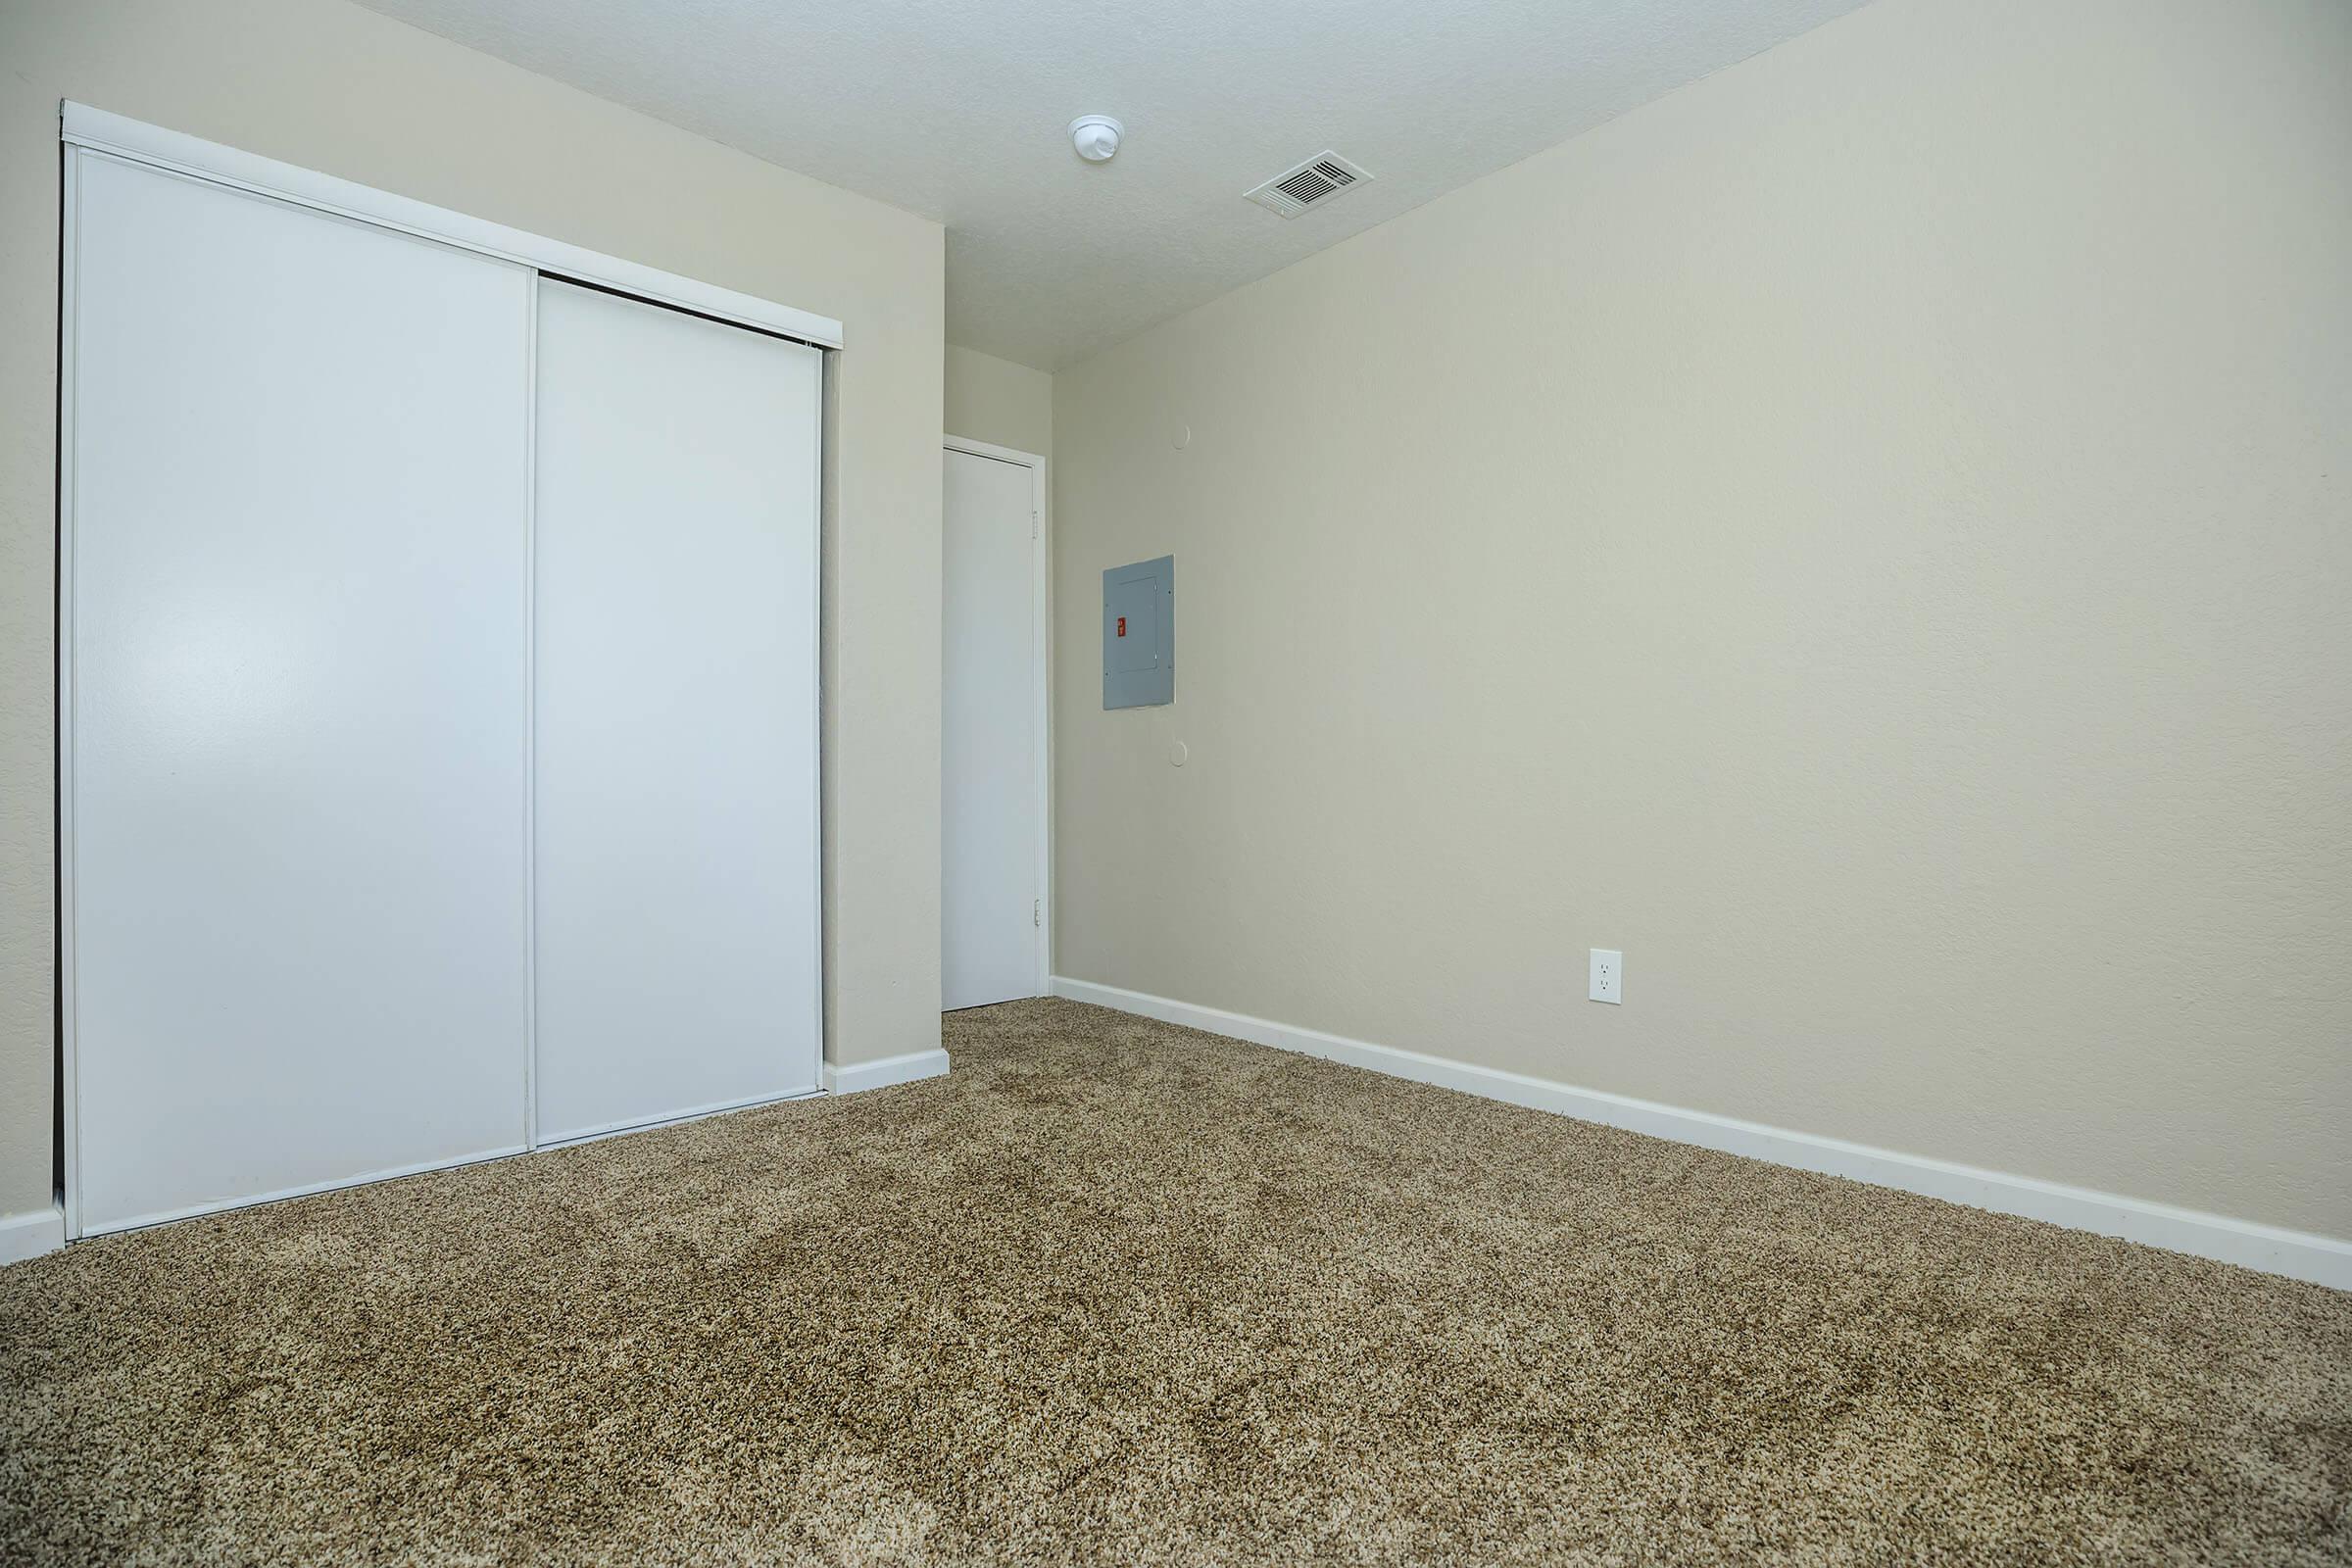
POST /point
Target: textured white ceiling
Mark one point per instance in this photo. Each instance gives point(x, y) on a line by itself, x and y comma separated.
point(956, 108)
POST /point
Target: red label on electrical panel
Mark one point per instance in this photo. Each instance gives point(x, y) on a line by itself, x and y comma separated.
point(1122, 626)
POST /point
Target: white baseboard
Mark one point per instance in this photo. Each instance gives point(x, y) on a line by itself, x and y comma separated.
point(859, 1075)
point(29, 1235)
point(2298, 1254)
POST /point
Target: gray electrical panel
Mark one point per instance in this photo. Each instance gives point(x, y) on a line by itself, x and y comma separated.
point(1139, 634)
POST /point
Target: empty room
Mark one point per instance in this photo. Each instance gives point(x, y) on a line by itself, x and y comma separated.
point(1401, 783)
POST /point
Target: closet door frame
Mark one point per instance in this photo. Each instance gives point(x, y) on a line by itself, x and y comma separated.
point(87, 132)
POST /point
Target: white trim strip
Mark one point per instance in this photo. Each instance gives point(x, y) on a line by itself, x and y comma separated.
point(69, 903)
point(530, 718)
point(153, 145)
point(30, 1234)
point(987, 449)
point(862, 1076)
point(2321, 1259)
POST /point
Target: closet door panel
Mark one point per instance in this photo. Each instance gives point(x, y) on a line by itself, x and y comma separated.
point(675, 681)
point(297, 733)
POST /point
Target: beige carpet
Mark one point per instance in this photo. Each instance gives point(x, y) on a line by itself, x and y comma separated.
point(1118, 1293)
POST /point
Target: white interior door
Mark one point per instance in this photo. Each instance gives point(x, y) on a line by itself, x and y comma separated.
point(296, 472)
point(675, 643)
point(991, 936)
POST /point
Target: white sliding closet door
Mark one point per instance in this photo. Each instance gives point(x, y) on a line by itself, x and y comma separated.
point(297, 478)
point(675, 678)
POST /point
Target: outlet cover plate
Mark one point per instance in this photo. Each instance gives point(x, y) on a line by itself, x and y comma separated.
point(1608, 975)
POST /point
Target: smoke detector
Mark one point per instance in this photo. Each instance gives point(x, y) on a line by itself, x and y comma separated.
point(1307, 184)
point(1095, 136)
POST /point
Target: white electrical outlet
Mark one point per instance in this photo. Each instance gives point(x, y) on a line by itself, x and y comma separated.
point(1608, 975)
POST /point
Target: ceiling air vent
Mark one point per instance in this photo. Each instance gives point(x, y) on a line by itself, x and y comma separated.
point(1311, 184)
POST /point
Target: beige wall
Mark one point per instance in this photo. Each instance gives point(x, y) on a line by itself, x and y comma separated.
point(1870, 535)
point(997, 401)
point(336, 88)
